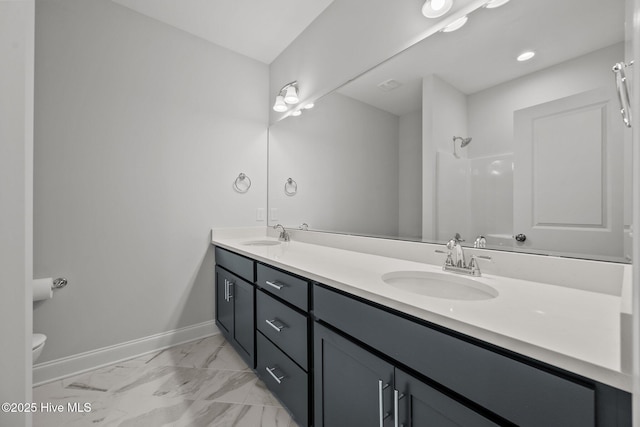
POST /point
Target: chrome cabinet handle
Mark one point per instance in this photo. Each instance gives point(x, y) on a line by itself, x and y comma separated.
point(226, 290)
point(396, 408)
point(229, 294)
point(381, 414)
point(623, 91)
point(275, 377)
point(274, 284)
point(396, 404)
point(272, 323)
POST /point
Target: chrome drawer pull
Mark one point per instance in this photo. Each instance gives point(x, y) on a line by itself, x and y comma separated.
point(275, 377)
point(274, 284)
point(226, 290)
point(272, 323)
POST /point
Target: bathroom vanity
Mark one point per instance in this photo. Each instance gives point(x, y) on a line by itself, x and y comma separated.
point(337, 348)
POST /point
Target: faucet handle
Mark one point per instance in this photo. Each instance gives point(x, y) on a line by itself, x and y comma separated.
point(480, 243)
point(449, 260)
point(473, 263)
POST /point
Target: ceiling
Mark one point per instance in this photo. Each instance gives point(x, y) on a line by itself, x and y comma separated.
point(259, 29)
point(482, 53)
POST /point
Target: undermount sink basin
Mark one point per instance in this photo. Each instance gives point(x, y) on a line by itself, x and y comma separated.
point(261, 243)
point(440, 285)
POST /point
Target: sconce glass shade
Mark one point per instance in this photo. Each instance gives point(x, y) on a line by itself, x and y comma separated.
point(291, 95)
point(280, 106)
point(436, 8)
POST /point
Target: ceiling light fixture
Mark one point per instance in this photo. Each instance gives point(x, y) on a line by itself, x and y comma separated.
point(280, 106)
point(455, 25)
point(495, 3)
point(436, 8)
point(296, 113)
point(287, 95)
point(525, 56)
point(309, 106)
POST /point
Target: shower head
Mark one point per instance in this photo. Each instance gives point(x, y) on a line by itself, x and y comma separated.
point(463, 141)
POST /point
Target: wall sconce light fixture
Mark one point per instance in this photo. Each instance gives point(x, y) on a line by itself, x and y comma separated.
point(436, 8)
point(287, 95)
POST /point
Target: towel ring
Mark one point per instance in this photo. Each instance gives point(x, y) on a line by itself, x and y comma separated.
point(240, 179)
point(290, 187)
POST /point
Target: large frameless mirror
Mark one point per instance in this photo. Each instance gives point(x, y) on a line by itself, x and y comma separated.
point(456, 135)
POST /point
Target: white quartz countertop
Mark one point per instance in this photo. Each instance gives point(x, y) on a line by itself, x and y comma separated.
point(572, 329)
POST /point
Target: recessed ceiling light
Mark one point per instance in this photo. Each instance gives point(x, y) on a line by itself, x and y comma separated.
point(296, 113)
point(495, 3)
point(525, 56)
point(309, 106)
point(436, 8)
point(455, 25)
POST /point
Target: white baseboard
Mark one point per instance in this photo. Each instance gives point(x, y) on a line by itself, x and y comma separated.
point(71, 365)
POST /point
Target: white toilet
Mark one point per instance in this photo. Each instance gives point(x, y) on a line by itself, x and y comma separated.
point(38, 345)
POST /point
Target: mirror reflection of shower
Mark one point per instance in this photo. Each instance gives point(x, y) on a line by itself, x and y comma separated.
point(463, 143)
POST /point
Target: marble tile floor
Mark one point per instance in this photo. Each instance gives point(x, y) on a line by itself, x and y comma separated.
point(202, 383)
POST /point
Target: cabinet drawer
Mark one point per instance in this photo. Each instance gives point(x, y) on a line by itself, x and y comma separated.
point(284, 326)
point(519, 392)
point(285, 379)
point(286, 286)
point(235, 263)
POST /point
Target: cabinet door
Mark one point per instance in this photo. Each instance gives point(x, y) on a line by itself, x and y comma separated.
point(352, 386)
point(242, 295)
point(422, 406)
point(224, 304)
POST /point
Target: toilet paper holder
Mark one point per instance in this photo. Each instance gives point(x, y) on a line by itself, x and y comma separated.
point(59, 283)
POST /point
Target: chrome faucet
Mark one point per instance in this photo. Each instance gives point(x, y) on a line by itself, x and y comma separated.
point(284, 235)
point(454, 245)
point(459, 265)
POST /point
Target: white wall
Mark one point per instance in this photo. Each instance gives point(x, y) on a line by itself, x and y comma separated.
point(410, 175)
point(445, 192)
point(16, 200)
point(141, 129)
point(491, 110)
point(343, 154)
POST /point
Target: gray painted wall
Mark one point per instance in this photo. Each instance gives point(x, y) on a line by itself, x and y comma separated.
point(16, 197)
point(141, 130)
point(343, 154)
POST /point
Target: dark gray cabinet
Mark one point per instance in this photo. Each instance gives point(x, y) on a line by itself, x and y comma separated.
point(352, 386)
point(419, 405)
point(334, 360)
point(283, 323)
point(235, 302)
point(500, 385)
point(355, 387)
point(286, 380)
